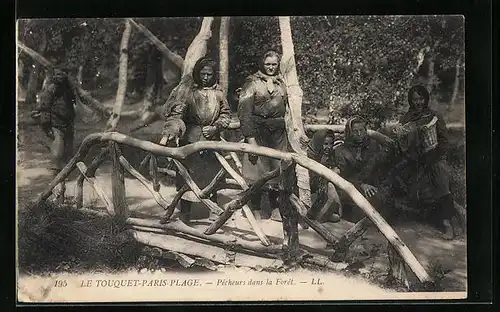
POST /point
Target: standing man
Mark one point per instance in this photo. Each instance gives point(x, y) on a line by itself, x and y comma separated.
point(55, 113)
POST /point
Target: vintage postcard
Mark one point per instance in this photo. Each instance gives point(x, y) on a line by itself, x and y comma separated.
point(241, 159)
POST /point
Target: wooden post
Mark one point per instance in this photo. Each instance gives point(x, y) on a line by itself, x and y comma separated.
point(293, 117)
point(118, 182)
point(98, 160)
point(122, 80)
point(100, 192)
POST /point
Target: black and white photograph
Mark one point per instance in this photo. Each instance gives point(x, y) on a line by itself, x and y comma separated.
point(241, 158)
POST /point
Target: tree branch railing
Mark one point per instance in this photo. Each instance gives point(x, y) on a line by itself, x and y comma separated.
point(180, 153)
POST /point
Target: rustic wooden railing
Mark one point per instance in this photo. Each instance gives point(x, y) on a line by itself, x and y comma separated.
point(110, 143)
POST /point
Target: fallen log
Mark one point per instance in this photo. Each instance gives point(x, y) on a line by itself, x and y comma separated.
point(100, 192)
point(212, 253)
point(222, 239)
point(156, 195)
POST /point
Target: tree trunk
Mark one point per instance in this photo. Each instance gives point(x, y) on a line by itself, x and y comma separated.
point(196, 50)
point(456, 83)
point(122, 80)
point(118, 182)
point(224, 54)
point(293, 118)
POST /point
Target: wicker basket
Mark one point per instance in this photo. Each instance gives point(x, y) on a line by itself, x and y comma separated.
point(428, 135)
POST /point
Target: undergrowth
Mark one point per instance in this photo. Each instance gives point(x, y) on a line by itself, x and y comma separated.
point(62, 239)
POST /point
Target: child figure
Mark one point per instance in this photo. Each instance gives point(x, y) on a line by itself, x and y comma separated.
point(326, 205)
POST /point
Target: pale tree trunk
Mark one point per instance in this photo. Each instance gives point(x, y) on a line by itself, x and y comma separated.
point(431, 77)
point(224, 54)
point(293, 118)
point(196, 50)
point(456, 84)
point(122, 80)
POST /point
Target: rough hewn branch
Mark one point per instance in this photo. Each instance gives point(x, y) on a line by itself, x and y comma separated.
point(91, 169)
point(173, 57)
point(241, 200)
point(100, 192)
point(315, 225)
point(93, 103)
point(156, 195)
point(196, 190)
point(248, 213)
point(184, 151)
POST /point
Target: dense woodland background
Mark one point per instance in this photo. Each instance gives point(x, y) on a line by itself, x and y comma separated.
point(346, 64)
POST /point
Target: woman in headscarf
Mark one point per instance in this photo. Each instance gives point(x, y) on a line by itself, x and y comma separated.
point(425, 175)
point(321, 148)
point(261, 110)
point(359, 161)
point(202, 115)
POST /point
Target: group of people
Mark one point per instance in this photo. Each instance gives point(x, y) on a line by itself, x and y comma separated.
point(419, 144)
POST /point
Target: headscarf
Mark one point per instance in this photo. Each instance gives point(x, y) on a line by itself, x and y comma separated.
point(273, 79)
point(317, 141)
point(269, 53)
point(200, 64)
point(415, 113)
point(348, 132)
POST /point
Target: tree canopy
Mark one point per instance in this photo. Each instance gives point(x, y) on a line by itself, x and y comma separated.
point(347, 64)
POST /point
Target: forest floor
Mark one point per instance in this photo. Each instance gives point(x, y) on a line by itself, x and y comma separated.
point(423, 240)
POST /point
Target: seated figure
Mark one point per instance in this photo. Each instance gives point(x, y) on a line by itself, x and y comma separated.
point(326, 205)
point(359, 161)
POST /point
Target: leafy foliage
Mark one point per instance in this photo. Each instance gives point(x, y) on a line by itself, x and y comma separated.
point(346, 64)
